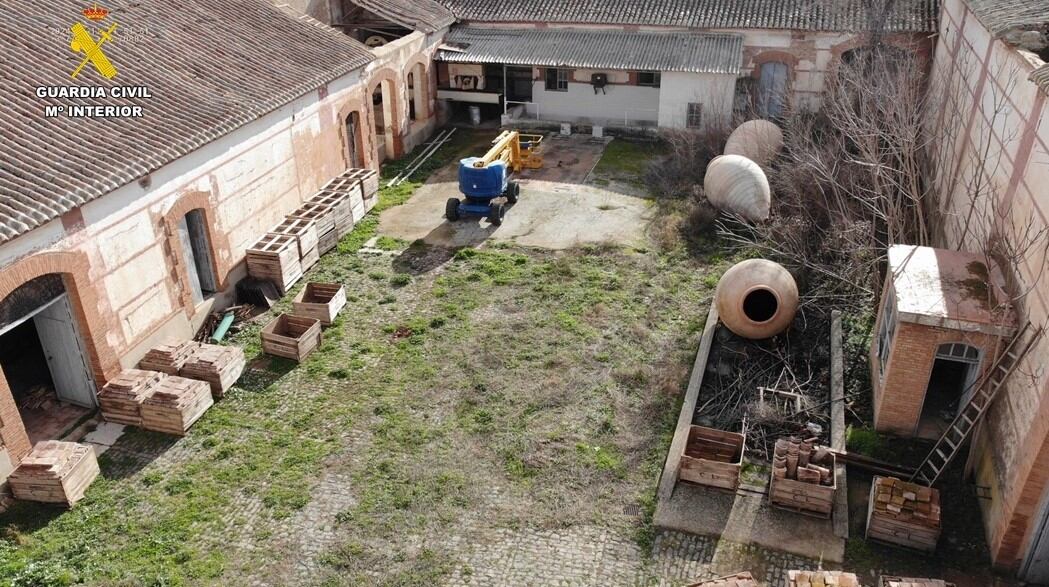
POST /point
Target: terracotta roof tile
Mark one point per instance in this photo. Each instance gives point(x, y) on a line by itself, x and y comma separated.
point(421, 15)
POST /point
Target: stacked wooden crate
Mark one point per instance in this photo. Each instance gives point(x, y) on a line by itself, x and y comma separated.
point(361, 187)
point(905, 514)
point(822, 579)
point(369, 180)
point(911, 582)
point(176, 403)
point(323, 217)
point(167, 358)
point(734, 580)
point(121, 398)
point(339, 202)
point(321, 301)
point(275, 257)
point(802, 477)
point(292, 337)
point(55, 472)
point(712, 457)
point(305, 234)
point(220, 366)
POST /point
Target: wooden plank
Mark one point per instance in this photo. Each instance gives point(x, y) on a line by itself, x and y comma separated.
point(837, 425)
point(669, 475)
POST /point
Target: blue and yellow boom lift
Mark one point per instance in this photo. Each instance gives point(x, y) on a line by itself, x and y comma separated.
point(483, 179)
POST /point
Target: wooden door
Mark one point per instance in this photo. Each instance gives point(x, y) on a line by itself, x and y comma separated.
point(65, 353)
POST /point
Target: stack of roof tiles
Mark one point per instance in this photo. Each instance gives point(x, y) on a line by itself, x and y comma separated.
point(176, 403)
point(220, 366)
point(121, 398)
point(904, 513)
point(55, 472)
point(822, 579)
point(168, 357)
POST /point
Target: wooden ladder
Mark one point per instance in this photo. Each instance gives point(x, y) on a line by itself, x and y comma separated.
point(952, 440)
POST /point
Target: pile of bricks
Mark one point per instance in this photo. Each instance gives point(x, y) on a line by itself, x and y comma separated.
point(55, 472)
point(167, 358)
point(176, 403)
point(822, 579)
point(736, 580)
point(802, 477)
point(121, 398)
point(905, 514)
point(220, 366)
point(908, 582)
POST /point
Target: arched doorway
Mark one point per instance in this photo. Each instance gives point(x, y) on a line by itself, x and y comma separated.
point(354, 140)
point(383, 114)
point(44, 359)
point(417, 108)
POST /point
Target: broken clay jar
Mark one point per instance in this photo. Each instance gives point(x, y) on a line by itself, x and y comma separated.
point(757, 299)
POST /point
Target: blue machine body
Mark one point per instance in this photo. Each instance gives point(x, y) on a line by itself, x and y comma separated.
point(482, 183)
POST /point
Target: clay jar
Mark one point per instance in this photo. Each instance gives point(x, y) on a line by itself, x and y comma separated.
point(757, 299)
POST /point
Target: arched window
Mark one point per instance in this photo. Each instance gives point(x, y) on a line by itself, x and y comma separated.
point(773, 82)
point(196, 254)
point(353, 140)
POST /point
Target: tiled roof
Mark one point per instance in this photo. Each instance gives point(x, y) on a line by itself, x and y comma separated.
point(1001, 16)
point(687, 52)
point(211, 66)
point(421, 15)
point(811, 15)
point(1040, 77)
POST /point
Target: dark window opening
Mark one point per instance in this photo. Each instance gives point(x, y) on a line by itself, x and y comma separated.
point(760, 305)
point(557, 80)
point(695, 115)
point(196, 252)
point(649, 78)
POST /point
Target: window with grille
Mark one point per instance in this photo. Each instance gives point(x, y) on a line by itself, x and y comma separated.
point(695, 115)
point(886, 333)
point(557, 80)
point(648, 78)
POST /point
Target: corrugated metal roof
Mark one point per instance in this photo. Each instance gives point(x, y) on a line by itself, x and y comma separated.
point(211, 66)
point(1001, 16)
point(1040, 77)
point(810, 15)
point(686, 52)
point(427, 16)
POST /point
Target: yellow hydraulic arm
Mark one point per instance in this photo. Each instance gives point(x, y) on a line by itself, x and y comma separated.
point(518, 151)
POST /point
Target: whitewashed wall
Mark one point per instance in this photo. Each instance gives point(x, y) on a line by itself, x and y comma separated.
point(714, 91)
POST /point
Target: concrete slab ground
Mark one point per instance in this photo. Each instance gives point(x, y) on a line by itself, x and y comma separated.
point(548, 215)
point(746, 517)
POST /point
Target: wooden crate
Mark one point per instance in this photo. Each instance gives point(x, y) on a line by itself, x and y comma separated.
point(822, 578)
point(802, 477)
point(310, 259)
point(275, 257)
point(55, 472)
point(321, 301)
point(304, 231)
point(339, 203)
point(322, 216)
point(744, 579)
point(327, 241)
point(220, 366)
point(120, 399)
point(712, 457)
point(904, 514)
point(367, 180)
point(176, 404)
point(913, 582)
point(292, 337)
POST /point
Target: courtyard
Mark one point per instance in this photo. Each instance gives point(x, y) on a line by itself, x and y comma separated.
point(492, 407)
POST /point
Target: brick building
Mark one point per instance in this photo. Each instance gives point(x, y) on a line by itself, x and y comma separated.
point(118, 233)
point(936, 333)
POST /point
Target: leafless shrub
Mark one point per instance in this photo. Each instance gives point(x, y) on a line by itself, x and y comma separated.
point(688, 153)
